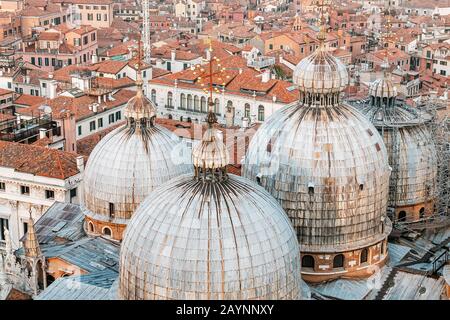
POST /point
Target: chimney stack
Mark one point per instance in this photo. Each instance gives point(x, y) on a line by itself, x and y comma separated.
point(42, 133)
point(80, 163)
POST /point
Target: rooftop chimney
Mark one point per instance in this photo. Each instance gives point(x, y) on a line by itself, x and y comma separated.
point(42, 133)
point(80, 163)
point(265, 76)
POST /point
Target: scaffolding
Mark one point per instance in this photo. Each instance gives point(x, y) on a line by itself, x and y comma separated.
point(439, 127)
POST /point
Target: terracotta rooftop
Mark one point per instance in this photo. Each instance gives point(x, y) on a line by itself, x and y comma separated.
point(243, 82)
point(79, 106)
point(28, 100)
point(37, 160)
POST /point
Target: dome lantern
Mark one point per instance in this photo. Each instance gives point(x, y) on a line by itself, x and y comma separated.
point(140, 112)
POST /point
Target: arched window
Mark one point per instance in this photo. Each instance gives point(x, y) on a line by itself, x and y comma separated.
point(216, 105)
point(169, 99)
point(183, 101)
point(308, 261)
point(247, 111)
point(91, 226)
point(153, 96)
point(422, 213)
point(107, 231)
point(338, 261)
point(260, 113)
point(196, 103)
point(402, 216)
point(189, 102)
point(364, 256)
point(169, 116)
point(189, 120)
point(203, 104)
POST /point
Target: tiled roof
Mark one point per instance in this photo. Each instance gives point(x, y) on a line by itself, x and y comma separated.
point(88, 143)
point(28, 100)
point(79, 106)
point(109, 66)
point(39, 161)
point(249, 80)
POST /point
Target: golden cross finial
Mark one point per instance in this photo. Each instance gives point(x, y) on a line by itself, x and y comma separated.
point(208, 41)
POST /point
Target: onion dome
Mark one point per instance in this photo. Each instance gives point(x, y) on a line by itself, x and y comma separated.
point(325, 163)
point(209, 236)
point(383, 88)
point(321, 73)
point(130, 162)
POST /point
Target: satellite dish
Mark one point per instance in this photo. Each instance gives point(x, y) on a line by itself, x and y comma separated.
point(46, 109)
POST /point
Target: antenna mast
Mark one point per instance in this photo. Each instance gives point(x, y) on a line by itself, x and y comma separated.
point(146, 30)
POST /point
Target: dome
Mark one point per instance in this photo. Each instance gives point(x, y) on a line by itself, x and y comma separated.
point(140, 107)
point(211, 151)
point(328, 167)
point(414, 159)
point(124, 167)
point(382, 88)
point(321, 72)
point(129, 162)
point(205, 239)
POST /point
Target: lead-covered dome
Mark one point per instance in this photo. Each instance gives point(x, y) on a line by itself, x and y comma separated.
point(321, 72)
point(325, 163)
point(412, 153)
point(127, 164)
point(382, 88)
point(195, 239)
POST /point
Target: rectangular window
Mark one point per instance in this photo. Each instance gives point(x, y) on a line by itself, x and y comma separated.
point(100, 122)
point(118, 115)
point(25, 190)
point(49, 194)
point(9, 85)
point(111, 210)
point(92, 125)
point(79, 131)
point(3, 225)
point(2, 186)
point(73, 193)
point(40, 61)
point(111, 118)
point(25, 227)
point(33, 60)
point(99, 17)
point(90, 16)
point(93, 36)
point(85, 40)
point(105, 17)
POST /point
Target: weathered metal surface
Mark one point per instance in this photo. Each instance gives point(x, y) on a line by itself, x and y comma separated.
point(324, 162)
point(125, 166)
point(200, 239)
point(410, 147)
point(382, 88)
point(321, 73)
point(94, 286)
point(328, 168)
point(211, 152)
